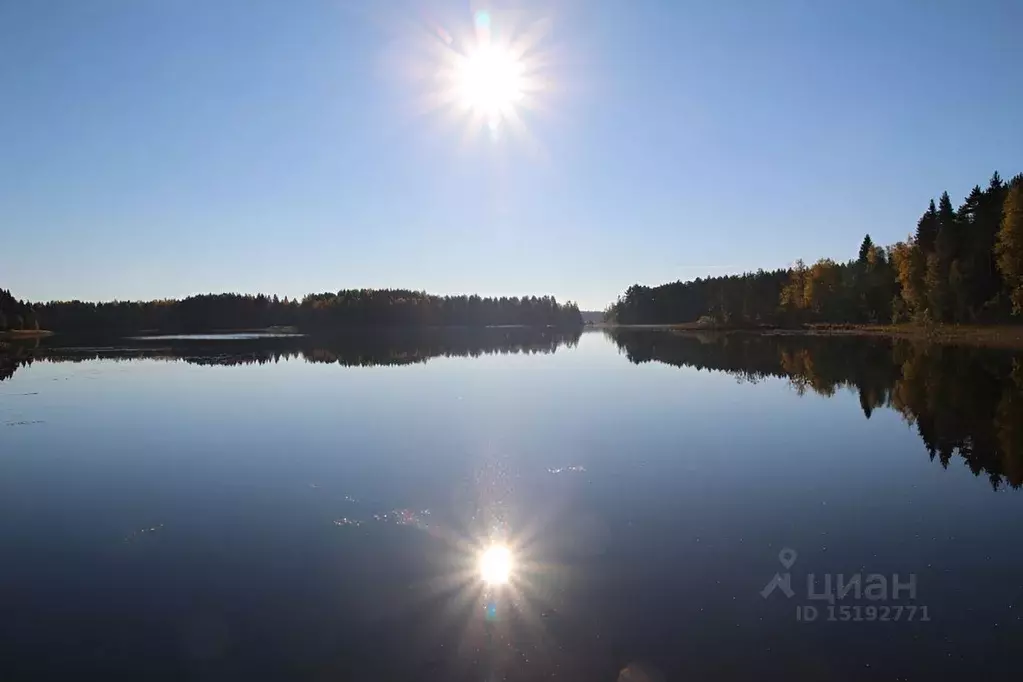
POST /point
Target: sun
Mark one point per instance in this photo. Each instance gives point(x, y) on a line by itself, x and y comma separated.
point(490, 82)
point(496, 565)
point(494, 75)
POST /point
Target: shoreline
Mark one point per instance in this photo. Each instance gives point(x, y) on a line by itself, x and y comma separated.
point(16, 334)
point(994, 336)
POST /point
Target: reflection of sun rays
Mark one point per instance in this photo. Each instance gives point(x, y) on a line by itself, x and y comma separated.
point(529, 616)
point(496, 565)
point(483, 78)
point(485, 585)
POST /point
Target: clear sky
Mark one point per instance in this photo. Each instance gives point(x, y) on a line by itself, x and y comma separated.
point(155, 148)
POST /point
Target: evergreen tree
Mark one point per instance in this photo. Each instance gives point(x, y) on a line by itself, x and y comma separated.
point(946, 214)
point(866, 246)
point(877, 286)
point(936, 284)
point(959, 291)
point(939, 267)
point(970, 270)
point(987, 221)
point(996, 182)
point(927, 229)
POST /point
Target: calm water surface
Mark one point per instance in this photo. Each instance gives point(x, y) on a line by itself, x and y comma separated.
point(288, 509)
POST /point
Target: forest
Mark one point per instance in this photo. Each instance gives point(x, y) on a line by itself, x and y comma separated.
point(15, 314)
point(964, 402)
point(960, 265)
point(351, 308)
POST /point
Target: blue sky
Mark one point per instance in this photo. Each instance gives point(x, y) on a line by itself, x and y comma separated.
point(155, 149)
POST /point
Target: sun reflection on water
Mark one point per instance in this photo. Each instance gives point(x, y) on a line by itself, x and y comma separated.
point(496, 565)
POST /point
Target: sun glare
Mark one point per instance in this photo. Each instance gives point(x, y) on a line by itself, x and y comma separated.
point(488, 75)
point(496, 565)
point(490, 82)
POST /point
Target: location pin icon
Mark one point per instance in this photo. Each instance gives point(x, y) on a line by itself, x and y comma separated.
point(787, 557)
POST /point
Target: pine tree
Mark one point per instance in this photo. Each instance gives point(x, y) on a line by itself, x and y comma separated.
point(996, 182)
point(948, 228)
point(987, 221)
point(1010, 246)
point(927, 229)
point(865, 248)
point(967, 213)
point(939, 263)
point(959, 291)
point(936, 285)
point(971, 269)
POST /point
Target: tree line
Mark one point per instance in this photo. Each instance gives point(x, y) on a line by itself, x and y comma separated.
point(960, 265)
point(964, 402)
point(346, 308)
point(16, 315)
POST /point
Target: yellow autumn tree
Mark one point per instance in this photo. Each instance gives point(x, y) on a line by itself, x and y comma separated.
point(1009, 248)
point(821, 286)
point(909, 264)
point(793, 291)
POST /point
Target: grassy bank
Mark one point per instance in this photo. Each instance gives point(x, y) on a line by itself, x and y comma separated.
point(16, 334)
point(995, 336)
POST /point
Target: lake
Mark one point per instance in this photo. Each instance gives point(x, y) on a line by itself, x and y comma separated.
point(676, 507)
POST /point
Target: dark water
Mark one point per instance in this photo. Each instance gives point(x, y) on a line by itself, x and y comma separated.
point(302, 509)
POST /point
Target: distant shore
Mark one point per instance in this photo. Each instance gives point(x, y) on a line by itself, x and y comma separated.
point(994, 336)
point(281, 331)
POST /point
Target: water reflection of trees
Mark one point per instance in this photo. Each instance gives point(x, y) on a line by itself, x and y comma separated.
point(13, 356)
point(963, 401)
point(362, 349)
